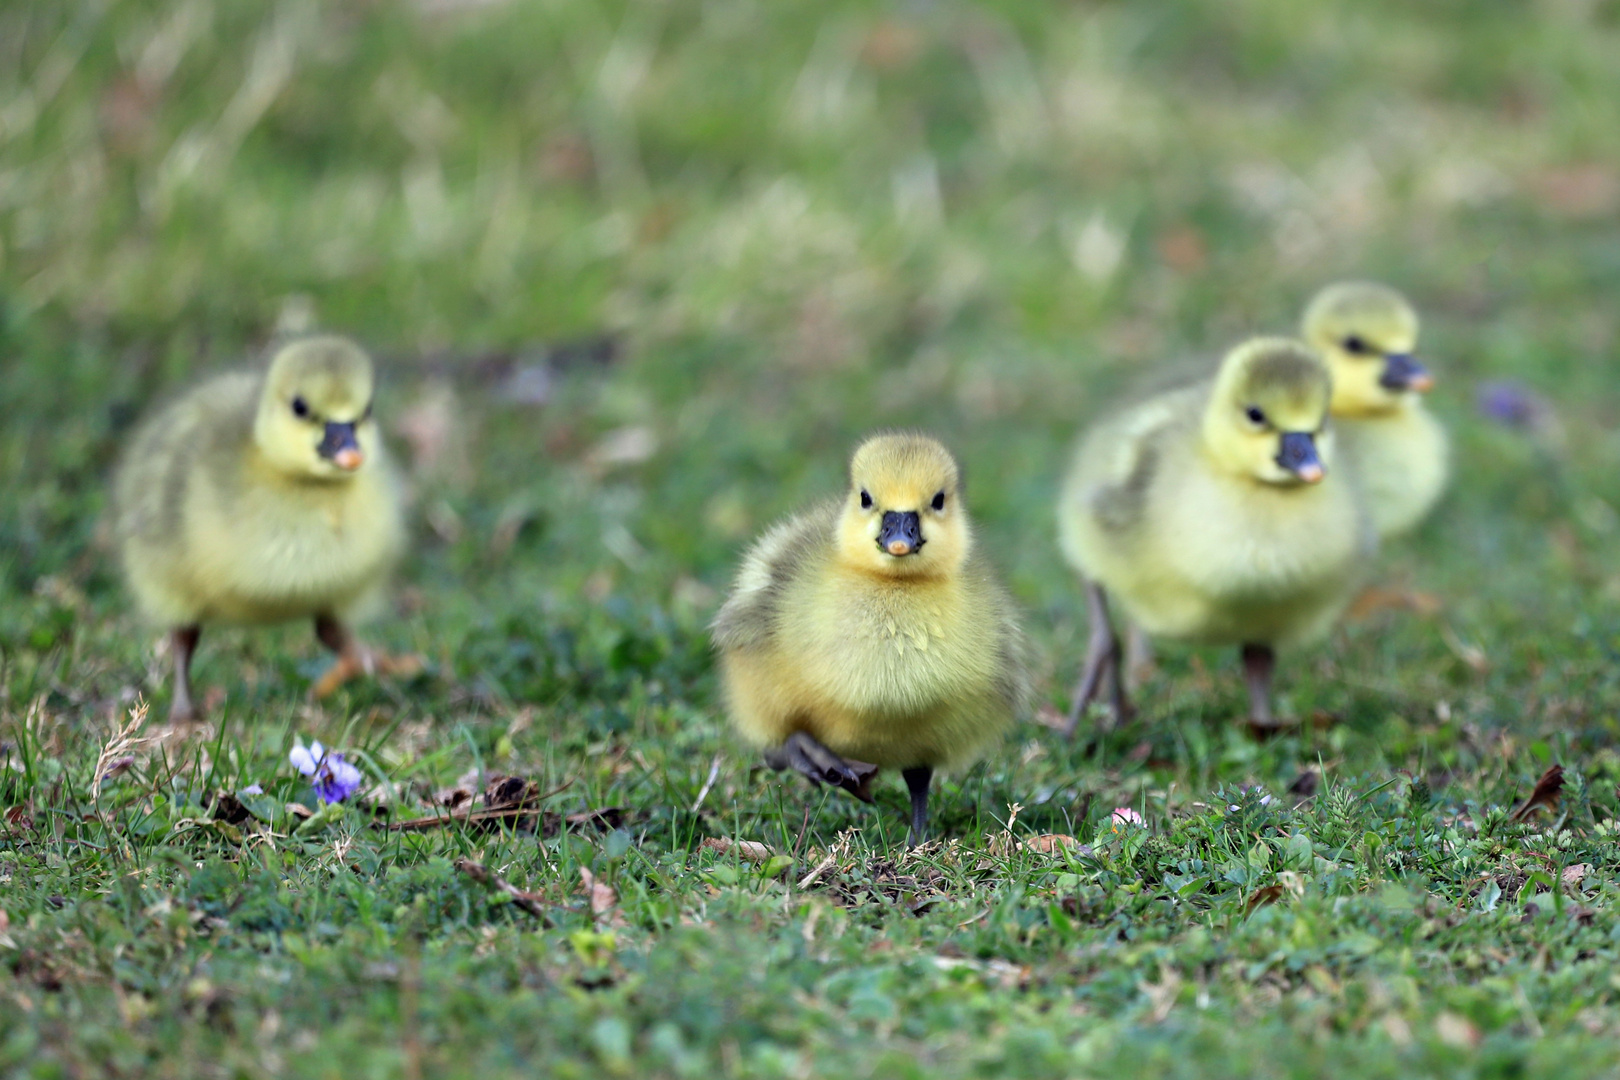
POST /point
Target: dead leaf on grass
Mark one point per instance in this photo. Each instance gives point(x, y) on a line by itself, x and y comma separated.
point(1376, 599)
point(18, 819)
point(1545, 796)
point(1577, 192)
point(604, 901)
point(1270, 894)
point(622, 446)
point(1048, 716)
point(1051, 843)
point(505, 799)
point(229, 809)
point(747, 850)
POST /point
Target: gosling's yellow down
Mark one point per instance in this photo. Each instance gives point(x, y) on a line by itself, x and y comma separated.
point(871, 631)
point(1393, 446)
point(260, 497)
point(1208, 514)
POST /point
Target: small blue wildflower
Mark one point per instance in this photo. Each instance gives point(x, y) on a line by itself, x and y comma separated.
point(334, 778)
point(1511, 403)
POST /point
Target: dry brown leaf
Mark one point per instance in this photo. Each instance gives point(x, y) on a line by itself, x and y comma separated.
point(1578, 191)
point(1545, 796)
point(1183, 248)
point(604, 901)
point(1261, 897)
point(1376, 599)
point(1047, 716)
point(624, 446)
point(747, 850)
point(891, 45)
point(506, 798)
point(18, 819)
point(1050, 843)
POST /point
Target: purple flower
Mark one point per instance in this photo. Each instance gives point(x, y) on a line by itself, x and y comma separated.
point(1512, 403)
point(334, 778)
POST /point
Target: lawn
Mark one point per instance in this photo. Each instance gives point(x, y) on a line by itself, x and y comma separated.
point(637, 277)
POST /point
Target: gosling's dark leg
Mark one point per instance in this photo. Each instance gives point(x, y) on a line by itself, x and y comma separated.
point(183, 642)
point(801, 751)
point(917, 781)
point(1138, 657)
point(1102, 662)
point(331, 632)
point(1259, 661)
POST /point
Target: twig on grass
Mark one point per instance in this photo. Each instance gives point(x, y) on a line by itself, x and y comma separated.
point(533, 903)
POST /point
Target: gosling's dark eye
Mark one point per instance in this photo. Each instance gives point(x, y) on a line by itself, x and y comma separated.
point(1354, 344)
point(300, 407)
point(866, 499)
point(939, 501)
point(1255, 414)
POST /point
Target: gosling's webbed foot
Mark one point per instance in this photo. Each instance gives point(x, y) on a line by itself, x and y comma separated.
point(355, 659)
point(361, 660)
point(805, 754)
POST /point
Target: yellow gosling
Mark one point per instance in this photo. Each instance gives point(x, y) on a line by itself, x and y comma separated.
point(871, 631)
point(1208, 514)
point(259, 498)
point(1393, 447)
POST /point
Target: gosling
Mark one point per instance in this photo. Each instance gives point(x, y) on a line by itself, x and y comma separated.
point(259, 498)
point(1206, 512)
point(1393, 446)
point(871, 632)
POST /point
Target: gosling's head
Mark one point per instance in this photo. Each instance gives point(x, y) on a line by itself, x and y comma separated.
point(1367, 333)
point(904, 515)
point(314, 416)
point(1267, 415)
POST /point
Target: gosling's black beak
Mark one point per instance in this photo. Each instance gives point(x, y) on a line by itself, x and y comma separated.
point(1403, 372)
point(1297, 454)
point(340, 447)
point(901, 533)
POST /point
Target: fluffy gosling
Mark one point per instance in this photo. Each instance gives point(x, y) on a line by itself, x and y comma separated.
point(871, 631)
point(263, 497)
point(1206, 512)
point(1393, 446)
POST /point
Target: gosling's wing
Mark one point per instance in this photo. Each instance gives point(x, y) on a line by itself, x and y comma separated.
point(169, 451)
point(1121, 462)
point(785, 554)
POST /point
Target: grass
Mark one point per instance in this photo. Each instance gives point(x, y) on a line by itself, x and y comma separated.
point(639, 275)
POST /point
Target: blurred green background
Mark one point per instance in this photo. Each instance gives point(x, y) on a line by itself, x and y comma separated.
point(639, 275)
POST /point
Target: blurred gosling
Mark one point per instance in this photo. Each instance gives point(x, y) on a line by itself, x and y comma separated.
point(263, 497)
point(1394, 447)
point(871, 631)
point(1208, 514)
